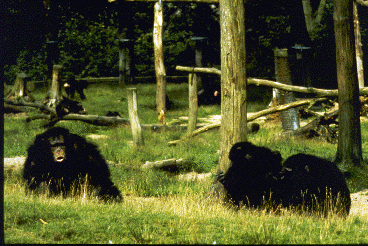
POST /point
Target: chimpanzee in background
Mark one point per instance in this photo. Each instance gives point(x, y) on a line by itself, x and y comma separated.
point(60, 162)
point(315, 183)
point(210, 93)
point(72, 86)
point(63, 107)
point(66, 106)
point(247, 180)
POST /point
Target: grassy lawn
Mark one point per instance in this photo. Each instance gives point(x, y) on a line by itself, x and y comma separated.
point(160, 207)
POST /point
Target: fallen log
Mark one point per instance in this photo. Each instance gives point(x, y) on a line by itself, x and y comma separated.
point(170, 165)
point(319, 127)
point(31, 104)
point(251, 117)
point(9, 108)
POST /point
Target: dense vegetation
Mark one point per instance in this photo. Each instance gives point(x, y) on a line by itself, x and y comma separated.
point(87, 37)
point(160, 207)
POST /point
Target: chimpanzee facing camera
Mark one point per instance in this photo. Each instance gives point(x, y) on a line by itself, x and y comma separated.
point(60, 163)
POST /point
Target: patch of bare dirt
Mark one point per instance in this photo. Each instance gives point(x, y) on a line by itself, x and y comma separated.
point(359, 204)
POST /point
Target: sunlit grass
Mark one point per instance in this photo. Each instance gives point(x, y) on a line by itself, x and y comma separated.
point(159, 207)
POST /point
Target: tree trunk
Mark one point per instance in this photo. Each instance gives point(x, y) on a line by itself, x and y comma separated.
point(358, 47)
point(20, 89)
point(54, 93)
point(159, 58)
point(349, 149)
point(233, 78)
point(193, 102)
point(289, 118)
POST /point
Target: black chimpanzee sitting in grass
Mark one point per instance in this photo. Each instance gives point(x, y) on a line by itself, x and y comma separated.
point(247, 181)
point(72, 86)
point(313, 184)
point(303, 182)
point(62, 163)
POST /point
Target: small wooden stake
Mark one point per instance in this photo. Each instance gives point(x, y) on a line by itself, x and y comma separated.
point(133, 117)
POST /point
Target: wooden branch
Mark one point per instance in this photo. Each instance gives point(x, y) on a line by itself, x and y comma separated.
point(29, 104)
point(171, 165)
point(252, 117)
point(362, 2)
point(318, 127)
point(253, 81)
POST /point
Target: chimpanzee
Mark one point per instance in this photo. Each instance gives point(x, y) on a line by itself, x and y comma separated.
point(66, 106)
point(313, 184)
point(71, 86)
point(209, 96)
point(60, 163)
point(112, 114)
point(247, 181)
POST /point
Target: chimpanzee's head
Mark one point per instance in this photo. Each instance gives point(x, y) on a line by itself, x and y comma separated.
point(249, 156)
point(56, 142)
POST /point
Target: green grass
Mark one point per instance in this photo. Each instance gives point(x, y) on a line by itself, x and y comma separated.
point(159, 207)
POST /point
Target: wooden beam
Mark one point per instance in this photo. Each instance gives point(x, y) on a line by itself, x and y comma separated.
point(253, 81)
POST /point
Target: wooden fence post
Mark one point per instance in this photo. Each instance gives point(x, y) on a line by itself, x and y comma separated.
point(290, 117)
point(193, 102)
point(133, 117)
point(159, 58)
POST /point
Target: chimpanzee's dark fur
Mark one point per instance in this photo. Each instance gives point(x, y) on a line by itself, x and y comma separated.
point(43, 172)
point(303, 181)
point(209, 97)
point(72, 86)
point(66, 106)
point(247, 180)
point(256, 175)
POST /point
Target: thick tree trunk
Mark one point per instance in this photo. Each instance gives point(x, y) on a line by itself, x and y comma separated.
point(349, 150)
point(233, 78)
point(159, 58)
point(289, 118)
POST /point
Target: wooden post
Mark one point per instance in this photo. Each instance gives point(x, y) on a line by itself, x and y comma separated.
point(133, 117)
point(290, 117)
point(193, 102)
point(126, 43)
point(54, 93)
point(233, 78)
point(52, 29)
point(159, 58)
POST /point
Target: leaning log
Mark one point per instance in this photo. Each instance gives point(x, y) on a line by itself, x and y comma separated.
point(319, 127)
point(252, 117)
point(253, 81)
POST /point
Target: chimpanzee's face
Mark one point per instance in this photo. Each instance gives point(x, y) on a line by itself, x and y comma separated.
point(58, 148)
